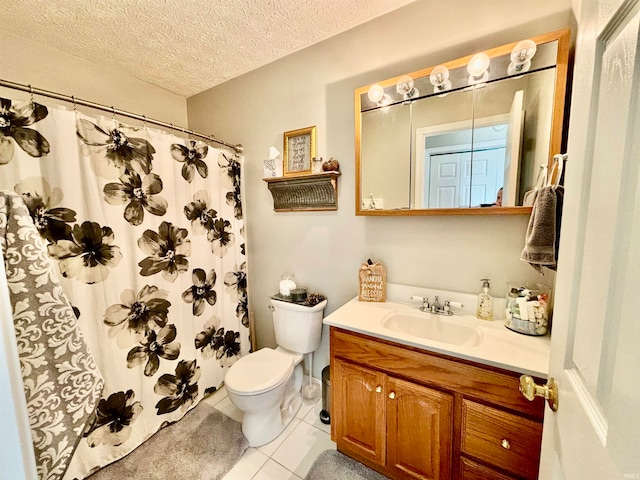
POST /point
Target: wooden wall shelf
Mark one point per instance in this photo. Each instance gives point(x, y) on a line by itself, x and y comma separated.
point(304, 192)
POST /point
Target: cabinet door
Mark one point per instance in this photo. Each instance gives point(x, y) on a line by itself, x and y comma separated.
point(419, 423)
point(359, 405)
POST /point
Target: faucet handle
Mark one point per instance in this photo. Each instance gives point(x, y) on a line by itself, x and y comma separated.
point(447, 307)
point(424, 300)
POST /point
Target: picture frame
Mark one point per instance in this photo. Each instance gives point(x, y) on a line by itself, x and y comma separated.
point(299, 151)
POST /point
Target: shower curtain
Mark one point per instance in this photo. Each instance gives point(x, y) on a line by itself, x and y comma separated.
point(146, 232)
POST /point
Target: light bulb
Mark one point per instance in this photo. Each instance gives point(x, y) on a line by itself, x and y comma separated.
point(521, 56)
point(439, 78)
point(478, 65)
point(405, 87)
point(375, 93)
point(523, 51)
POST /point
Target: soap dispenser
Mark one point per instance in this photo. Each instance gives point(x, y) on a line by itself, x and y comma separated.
point(485, 302)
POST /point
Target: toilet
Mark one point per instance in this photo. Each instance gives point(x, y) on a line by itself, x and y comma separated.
point(266, 385)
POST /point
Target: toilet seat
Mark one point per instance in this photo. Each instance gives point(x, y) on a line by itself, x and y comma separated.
point(259, 372)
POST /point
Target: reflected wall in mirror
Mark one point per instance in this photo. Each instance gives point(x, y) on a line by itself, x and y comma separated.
point(448, 140)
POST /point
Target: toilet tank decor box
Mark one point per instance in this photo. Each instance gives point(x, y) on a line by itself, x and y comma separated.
point(373, 282)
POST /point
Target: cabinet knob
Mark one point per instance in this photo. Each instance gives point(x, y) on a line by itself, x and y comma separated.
point(392, 395)
point(505, 444)
point(378, 389)
point(549, 391)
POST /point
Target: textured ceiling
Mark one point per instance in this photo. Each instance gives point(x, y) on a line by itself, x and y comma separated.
point(185, 46)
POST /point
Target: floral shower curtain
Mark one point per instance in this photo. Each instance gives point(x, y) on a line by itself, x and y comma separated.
point(146, 230)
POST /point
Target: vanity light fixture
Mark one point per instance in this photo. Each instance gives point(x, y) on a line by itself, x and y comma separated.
point(377, 95)
point(478, 68)
point(406, 88)
point(521, 56)
point(439, 78)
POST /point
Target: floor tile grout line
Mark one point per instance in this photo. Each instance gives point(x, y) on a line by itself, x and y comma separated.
point(287, 469)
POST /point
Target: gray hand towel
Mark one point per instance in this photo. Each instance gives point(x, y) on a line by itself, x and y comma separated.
point(543, 233)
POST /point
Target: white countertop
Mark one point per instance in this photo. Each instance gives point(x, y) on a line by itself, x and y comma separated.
point(499, 346)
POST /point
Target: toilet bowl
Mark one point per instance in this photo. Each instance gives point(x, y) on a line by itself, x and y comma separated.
point(266, 385)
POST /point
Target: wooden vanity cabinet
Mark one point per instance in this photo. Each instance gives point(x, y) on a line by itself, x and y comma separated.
point(378, 416)
point(412, 414)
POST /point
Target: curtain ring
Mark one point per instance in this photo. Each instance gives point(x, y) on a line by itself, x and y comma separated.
point(31, 93)
point(75, 106)
point(113, 113)
point(144, 121)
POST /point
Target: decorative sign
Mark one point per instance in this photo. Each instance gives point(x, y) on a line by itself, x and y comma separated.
point(373, 282)
point(299, 149)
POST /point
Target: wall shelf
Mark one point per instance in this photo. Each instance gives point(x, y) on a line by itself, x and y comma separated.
point(314, 192)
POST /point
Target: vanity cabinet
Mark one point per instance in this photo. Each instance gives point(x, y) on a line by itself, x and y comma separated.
point(413, 414)
point(378, 422)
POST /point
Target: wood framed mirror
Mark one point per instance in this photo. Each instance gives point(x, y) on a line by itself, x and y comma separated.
point(452, 140)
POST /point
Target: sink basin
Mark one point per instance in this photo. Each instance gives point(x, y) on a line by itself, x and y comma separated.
point(439, 328)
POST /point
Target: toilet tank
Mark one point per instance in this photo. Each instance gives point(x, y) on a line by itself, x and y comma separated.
point(298, 328)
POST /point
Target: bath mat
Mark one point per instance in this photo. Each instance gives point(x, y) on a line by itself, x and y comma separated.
point(333, 465)
point(204, 445)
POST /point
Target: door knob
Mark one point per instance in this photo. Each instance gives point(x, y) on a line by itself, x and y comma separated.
point(392, 395)
point(549, 391)
point(378, 389)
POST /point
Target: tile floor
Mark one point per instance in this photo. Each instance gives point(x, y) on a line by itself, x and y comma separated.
point(288, 457)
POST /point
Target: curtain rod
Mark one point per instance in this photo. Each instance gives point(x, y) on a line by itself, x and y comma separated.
point(77, 101)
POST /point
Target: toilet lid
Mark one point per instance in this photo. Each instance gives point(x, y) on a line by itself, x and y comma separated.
point(258, 372)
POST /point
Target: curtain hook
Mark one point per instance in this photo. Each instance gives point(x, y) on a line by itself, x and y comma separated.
point(144, 121)
point(31, 93)
point(75, 106)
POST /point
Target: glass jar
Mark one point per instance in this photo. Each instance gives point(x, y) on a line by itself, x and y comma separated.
point(287, 283)
point(527, 308)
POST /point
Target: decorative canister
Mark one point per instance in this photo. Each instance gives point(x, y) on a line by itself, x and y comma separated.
point(527, 308)
point(298, 294)
point(287, 283)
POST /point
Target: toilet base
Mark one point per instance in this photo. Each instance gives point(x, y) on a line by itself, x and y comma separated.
point(263, 426)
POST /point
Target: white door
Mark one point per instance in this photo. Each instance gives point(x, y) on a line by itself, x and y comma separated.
point(483, 173)
point(443, 189)
point(595, 434)
point(512, 153)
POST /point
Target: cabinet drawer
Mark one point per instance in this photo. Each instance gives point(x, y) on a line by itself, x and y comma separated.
point(470, 470)
point(501, 439)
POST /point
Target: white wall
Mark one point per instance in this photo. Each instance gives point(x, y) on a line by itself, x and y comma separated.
point(316, 87)
point(30, 63)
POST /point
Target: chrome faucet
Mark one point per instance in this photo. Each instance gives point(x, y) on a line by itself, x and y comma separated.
point(435, 307)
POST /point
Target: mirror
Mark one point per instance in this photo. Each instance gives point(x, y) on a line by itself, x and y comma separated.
point(450, 140)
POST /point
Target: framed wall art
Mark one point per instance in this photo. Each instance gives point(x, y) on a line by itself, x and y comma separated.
point(299, 150)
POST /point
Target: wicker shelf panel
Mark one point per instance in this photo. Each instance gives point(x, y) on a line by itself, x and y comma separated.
point(304, 192)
